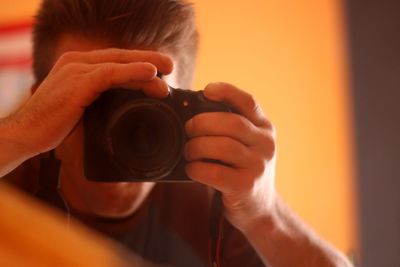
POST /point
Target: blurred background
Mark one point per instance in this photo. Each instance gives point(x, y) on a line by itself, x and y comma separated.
point(325, 72)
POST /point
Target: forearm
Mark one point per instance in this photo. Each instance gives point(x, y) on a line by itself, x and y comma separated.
point(13, 152)
point(281, 239)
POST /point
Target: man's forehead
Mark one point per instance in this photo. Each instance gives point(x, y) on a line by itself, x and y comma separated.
point(72, 42)
point(75, 42)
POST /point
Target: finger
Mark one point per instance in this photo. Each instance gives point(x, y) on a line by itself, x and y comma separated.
point(100, 77)
point(139, 75)
point(238, 99)
point(108, 75)
point(156, 88)
point(162, 62)
point(218, 176)
point(223, 149)
point(223, 124)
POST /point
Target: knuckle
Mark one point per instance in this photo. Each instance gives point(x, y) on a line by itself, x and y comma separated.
point(89, 81)
point(68, 57)
point(251, 103)
point(238, 123)
point(215, 171)
point(259, 166)
point(107, 70)
point(197, 123)
point(232, 147)
point(267, 124)
point(69, 68)
point(270, 146)
point(107, 74)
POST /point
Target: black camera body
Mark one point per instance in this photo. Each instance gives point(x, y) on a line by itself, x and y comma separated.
point(131, 137)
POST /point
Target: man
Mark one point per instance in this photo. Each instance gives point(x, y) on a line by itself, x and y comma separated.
point(84, 47)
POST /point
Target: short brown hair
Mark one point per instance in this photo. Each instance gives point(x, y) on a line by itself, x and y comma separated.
point(150, 24)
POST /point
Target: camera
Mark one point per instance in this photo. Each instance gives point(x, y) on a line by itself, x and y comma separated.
point(131, 137)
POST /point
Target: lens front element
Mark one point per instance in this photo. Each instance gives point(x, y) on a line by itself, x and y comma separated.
point(146, 138)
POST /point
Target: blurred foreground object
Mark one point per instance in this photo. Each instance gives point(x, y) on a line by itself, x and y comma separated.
point(374, 42)
point(34, 235)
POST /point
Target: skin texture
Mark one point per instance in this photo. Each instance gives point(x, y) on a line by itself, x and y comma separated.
point(110, 200)
point(245, 143)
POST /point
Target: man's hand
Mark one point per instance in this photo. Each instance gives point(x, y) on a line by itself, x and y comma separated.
point(246, 145)
point(74, 82)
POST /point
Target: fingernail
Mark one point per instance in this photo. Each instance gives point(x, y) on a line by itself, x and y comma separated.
point(168, 62)
point(166, 90)
point(152, 70)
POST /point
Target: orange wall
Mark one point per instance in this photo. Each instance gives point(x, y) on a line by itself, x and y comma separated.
point(17, 10)
point(290, 55)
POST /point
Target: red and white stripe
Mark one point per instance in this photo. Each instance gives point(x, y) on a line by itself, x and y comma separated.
point(15, 46)
point(15, 66)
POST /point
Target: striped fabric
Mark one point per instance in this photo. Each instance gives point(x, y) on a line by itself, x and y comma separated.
point(15, 66)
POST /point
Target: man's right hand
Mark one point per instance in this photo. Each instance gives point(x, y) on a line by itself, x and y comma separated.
point(75, 81)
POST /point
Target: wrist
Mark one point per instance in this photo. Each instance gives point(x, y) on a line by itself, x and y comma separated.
point(14, 150)
point(266, 219)
point(251, 215)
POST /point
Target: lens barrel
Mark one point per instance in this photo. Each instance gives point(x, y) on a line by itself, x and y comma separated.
point(146, 138)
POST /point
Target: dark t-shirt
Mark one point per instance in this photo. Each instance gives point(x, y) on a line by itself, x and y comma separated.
point(170, 228)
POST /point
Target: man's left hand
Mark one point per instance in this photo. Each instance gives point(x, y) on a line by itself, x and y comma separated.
point(246, 145)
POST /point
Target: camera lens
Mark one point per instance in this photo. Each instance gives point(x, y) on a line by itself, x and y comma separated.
point(146, 137)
